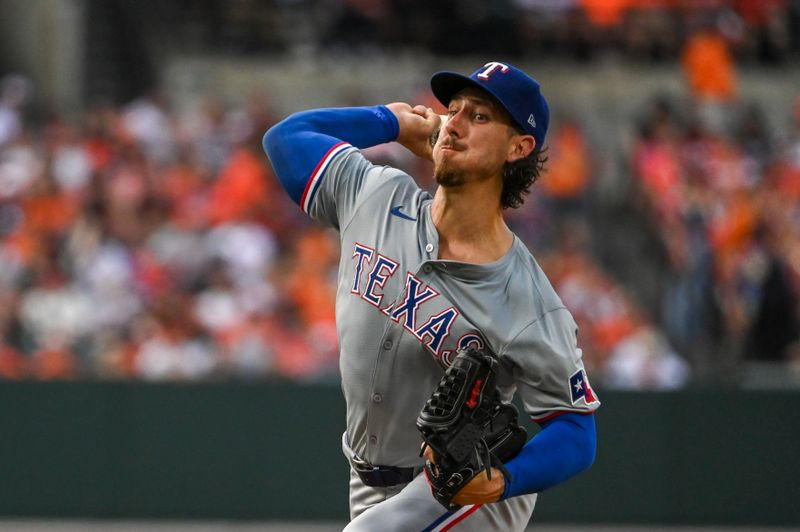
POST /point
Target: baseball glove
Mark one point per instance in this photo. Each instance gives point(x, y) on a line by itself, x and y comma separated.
point(467, 426)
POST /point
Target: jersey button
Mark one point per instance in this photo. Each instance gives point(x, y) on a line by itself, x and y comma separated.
point(427, 268)
point(373, 440)
point(387, 344)
point(429, 248)
point(377, 398)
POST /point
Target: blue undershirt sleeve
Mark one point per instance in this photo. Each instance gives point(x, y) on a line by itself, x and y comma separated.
point(566, 446)
point(297, 145)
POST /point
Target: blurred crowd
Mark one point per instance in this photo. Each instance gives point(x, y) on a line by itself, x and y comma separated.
point(137, 241)
point(142, 243)
point(761, 30)
point(657, 30)
point(725, 203)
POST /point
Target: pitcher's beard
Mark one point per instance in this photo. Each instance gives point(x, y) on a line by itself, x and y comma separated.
point(447, 177)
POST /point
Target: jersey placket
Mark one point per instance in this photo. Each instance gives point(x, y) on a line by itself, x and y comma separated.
point(390, 343)
point(393, 338)
point(376, 417)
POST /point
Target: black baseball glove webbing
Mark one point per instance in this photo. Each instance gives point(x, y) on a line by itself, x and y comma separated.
point(467, 427)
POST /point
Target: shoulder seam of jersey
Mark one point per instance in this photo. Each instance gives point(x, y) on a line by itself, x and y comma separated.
point(309, 195)
point(529, 324)
point(540, 316)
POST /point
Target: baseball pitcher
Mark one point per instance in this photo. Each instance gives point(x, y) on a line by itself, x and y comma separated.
point(442, 312)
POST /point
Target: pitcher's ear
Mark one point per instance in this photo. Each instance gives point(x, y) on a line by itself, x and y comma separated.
point(522, 146)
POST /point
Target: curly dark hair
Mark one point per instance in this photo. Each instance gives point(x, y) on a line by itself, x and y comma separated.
point(519, 176)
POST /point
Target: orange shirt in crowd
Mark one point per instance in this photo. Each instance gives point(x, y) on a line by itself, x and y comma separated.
point(100, 153)
point(54, 363)
point(23, 245)
point(13, 365)
point(708, 66)
point(313, 295)
point(606, 13)
point(788, 181)
point(658, 168)
point(735, 225)
point(50, 213)
point(241, 188)
point(568, 167)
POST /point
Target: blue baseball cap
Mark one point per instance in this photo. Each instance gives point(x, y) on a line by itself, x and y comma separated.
point(516, 91)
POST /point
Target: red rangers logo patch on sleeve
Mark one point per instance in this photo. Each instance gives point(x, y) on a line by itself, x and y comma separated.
point(580, 389)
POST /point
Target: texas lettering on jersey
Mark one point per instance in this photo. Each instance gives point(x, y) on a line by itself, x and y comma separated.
point(435, 330)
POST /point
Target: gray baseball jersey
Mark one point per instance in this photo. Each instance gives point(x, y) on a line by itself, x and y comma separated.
point(402, 313)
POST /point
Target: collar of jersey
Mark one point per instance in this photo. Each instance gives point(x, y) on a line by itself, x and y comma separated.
point(461, 270)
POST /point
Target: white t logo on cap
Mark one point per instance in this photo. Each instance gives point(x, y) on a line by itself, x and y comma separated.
point(492, 67)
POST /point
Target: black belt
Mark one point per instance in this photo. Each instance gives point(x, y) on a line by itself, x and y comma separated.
point(383, 476)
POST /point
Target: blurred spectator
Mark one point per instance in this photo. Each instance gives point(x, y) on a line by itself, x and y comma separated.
point(20, 165)
point(752, 134)
point(708, 66)
point(55, 311)
point(710, 71)
point(172, 346)
point(309, 285)
point(147, 122)
point(240, 189)
point(774, 325)
point(54, 359)
point(568, 176)
point(645, 361)
point(656, 167)
point(14, 93)
point(71, 165)
point(216, 307)
point(606, 13)
point(248, 348)
point(767, 38)
point(651, 29)
point(13, 365)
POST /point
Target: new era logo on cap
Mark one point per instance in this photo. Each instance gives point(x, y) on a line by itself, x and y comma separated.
point(516, 91)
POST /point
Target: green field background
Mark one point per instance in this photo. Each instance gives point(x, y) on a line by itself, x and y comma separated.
point(271, 451)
